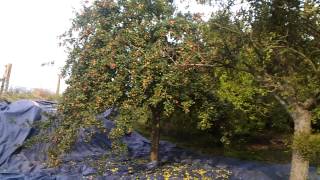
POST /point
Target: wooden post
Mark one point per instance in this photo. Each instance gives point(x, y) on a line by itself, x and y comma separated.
point(7, 78)
point(58, 85)
point(2, 86)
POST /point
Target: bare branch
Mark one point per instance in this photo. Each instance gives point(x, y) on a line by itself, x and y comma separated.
point(197, 65)
point(282, 102)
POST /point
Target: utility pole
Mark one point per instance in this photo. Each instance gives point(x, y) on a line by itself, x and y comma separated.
point(58, 85)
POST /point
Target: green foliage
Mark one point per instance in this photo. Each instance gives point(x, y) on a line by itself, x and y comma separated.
point(44, 129)
point(316, 119)
point(133, 56)
point(267, 51)
point(308, 146)
point(279, 53)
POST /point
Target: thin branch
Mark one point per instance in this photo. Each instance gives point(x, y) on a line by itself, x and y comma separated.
point(174, 62)
point(309, 103)
point(219, 64)
point(282, 102)
point(307, 59)
point(227, 28)
point(197, 65)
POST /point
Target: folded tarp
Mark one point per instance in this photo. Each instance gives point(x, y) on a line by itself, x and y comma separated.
point(16, 122)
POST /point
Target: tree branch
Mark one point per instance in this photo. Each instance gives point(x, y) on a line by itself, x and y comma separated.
point(282, 102)
point(309, 103)
point(307, 59)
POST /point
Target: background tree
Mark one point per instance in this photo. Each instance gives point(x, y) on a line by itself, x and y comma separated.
point(275, 44)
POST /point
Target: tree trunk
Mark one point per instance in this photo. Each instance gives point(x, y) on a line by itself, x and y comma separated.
point(302, 124)
point(155, 135)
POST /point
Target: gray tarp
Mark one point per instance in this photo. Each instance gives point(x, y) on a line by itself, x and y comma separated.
point(15, 125)
point(20, 163)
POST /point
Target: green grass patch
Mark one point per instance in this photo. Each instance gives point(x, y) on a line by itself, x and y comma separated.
point(205, 143)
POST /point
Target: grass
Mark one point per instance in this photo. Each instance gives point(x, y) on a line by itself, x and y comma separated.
point(239, 151)
point(34, 94)
point(206, 144)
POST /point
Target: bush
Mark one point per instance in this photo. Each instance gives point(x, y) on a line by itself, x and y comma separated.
point(308, 146)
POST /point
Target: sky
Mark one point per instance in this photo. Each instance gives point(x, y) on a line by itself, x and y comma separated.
point(29, 31)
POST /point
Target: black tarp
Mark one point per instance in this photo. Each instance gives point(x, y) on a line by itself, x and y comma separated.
point(20, 163)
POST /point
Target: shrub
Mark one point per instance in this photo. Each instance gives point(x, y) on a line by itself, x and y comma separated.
point(308, 146)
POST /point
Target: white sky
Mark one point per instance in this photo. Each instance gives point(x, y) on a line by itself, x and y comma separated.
point(29, 31)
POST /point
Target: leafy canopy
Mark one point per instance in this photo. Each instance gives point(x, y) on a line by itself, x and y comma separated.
point(133, 56)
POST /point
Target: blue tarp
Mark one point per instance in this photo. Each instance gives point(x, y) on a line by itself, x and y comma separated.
point(21, 163)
